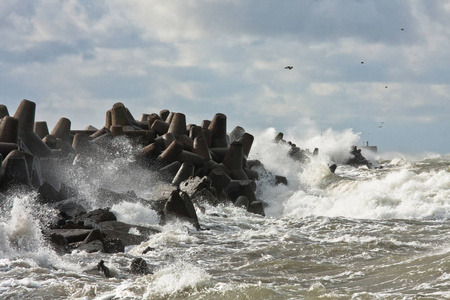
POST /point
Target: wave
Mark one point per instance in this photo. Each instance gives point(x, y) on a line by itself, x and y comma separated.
point(402, 189)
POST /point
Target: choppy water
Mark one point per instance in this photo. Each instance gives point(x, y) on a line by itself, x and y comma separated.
point(356, 234)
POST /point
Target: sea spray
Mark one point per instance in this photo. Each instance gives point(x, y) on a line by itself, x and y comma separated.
point(21, 234)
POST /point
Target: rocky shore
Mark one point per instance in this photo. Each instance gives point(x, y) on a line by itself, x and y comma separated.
point(196, 164)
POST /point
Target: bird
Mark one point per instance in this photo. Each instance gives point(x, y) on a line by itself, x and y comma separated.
point(362, 62)
point(403, 29)
point(288, 67)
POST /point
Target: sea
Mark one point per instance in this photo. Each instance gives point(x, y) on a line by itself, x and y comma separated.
point(358, 233)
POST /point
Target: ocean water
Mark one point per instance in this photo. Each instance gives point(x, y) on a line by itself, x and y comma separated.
point(357, 234)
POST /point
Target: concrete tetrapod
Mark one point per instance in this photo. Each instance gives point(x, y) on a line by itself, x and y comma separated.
point(62, 130)
point(9, 130)
point(41, 129)
point(218, 129)
point(25, 114)
point(233, 160)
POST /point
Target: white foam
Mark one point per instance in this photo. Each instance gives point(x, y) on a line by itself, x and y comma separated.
point(135, 213)
point(27, 282)
point(397, 191)
point(177, 277)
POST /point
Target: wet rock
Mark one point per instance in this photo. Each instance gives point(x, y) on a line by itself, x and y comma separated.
point(71, 208)
point(181, 207)
point(358, 159)
point(94, 246)
point(101, 267)
point(48, 194)
point(70, 235)
point(139, 267)
point(100, 215)
point(195, 184)
point(280, 180)
point(333, 168)
point(205, 196)
point(148, 249)
point(256, 207)
point(242, 201)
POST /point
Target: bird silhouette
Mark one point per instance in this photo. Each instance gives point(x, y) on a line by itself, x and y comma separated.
point(288, 67)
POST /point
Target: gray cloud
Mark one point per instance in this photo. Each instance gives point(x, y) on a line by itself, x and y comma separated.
point(203, 57)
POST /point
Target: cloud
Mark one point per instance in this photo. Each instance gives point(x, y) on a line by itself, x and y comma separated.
point(208, 56)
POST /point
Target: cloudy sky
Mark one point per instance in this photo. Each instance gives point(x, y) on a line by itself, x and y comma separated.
point(357, 64)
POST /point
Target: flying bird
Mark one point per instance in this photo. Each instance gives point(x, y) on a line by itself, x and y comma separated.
point(288, 67)
point(403, 29)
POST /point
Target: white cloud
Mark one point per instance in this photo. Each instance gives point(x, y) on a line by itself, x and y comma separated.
point(202, 57)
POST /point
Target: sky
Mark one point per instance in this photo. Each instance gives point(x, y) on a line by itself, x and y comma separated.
point(380, 68)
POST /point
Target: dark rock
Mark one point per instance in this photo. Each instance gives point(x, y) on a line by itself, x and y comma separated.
point(139, 267)
point(280, 180)
point(100, 215)
point(48, 193)
point(333, 168)
point(114, 245)
point(181, 207)
point(242, 201)
point(184, 173)
point(59, 243)
point(71, 235)
point(94, 235)
point(195, 184)
point(358, 159)
point(205, 196)
point(148, 249)
point(101, 267)
point(119, 230)
point(94, 246)
point(256, 207)
point(71, 208)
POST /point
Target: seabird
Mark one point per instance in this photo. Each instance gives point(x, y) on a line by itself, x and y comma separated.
point(288, 67)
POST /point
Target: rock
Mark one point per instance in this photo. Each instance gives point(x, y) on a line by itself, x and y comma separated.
point(195, 184)
point(184, 173)
point(358, 159)
point(100, 215)
point(256, 207)
point(205, 196)
point(72, 209)
point(101, 267)
point(181, 207)
point(70, 235)
point(48, 193)
point(148, 249)
point(94, 246)
point(242, 201)
point(59, 243)
point(116, 230)
point(333, 168)
point(280, 180)
point(139, 267)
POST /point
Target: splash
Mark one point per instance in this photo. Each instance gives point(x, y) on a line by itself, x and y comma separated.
point(402, 189)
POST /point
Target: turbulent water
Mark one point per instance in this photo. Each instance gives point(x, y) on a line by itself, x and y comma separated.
point(357, 234)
